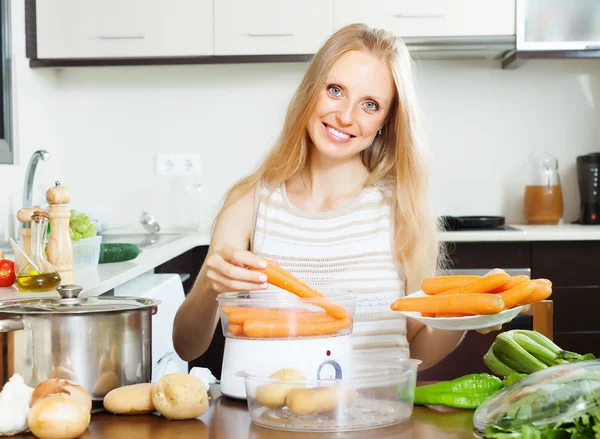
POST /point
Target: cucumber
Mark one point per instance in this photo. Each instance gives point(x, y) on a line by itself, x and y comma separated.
point(113, 252)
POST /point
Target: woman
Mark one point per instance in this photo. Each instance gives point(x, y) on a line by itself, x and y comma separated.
point(342, 201)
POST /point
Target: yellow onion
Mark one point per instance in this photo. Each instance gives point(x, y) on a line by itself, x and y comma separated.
point(62, 387)
point(58, 416)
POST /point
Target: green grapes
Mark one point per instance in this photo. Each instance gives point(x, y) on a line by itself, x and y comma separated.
point(80, 226)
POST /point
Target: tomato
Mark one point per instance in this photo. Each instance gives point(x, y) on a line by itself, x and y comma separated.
point(7, 273)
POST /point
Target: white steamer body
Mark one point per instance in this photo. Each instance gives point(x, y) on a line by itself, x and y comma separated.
point(318, 357)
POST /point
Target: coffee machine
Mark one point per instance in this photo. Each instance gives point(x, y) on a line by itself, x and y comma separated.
point(589, 190)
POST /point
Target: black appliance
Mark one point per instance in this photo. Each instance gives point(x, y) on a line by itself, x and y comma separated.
point(472, 223)
point(587, 176)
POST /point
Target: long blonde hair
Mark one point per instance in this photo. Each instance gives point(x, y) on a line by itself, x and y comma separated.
point(397, 155)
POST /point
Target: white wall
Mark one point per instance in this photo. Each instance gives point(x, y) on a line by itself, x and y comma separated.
point(104, 125)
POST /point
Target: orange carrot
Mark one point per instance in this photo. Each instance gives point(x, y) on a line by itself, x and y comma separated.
point(517, 295)
point(283, 279)
point(485, 284)
point(542, 292)
point(439, 284)
point(235, 309)
point(513, 282)
point(453, 303)
point(240, 317)
point(236, 329)
point(278, 328)
point(428, 314)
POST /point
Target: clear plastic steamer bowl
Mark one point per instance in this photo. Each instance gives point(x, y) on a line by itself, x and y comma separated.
point(282, 315)
point(373, 394)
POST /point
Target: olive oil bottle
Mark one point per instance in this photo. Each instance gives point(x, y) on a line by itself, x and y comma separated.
point(38, 275)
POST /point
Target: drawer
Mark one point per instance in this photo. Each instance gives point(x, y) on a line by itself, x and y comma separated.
point(271, 27)
point(576, 308)
point(123, 28)
point(487, 255)
point(567, 263)
point(410, 18)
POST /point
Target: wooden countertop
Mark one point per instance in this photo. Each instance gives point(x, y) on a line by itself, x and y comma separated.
point(228, 419)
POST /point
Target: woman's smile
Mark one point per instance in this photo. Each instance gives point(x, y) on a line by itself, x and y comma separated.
point(337, 135)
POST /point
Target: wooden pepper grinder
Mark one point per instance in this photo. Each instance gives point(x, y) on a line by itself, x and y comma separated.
point(24, 216)
point(60, 248)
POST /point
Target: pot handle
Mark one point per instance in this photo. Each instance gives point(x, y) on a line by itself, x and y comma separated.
point(154, 309)
point(10, 325)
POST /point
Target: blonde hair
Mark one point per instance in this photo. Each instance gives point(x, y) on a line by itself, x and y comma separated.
point(398, 155)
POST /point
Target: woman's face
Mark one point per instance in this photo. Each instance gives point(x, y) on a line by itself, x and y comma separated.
point(352, 106)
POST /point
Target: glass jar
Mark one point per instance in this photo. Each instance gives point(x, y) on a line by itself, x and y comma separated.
point(543, 200)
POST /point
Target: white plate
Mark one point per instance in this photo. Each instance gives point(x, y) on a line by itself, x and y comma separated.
point(464, 323)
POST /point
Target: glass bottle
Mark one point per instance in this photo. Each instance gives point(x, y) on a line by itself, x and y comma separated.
point(38, 274)
point(543, 193)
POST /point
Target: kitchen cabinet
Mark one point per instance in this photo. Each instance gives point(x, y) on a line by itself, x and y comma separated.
point(268, 27)
point(82, 29)
point(433, 18)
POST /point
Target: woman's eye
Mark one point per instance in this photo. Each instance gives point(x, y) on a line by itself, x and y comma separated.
point(335, 90)
point(371, 106)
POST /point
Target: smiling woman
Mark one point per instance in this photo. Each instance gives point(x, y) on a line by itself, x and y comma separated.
point(342, 202)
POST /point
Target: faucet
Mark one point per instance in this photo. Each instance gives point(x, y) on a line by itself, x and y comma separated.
point(29, 175)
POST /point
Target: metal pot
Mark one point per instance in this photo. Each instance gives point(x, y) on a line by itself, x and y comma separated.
point(100, 342)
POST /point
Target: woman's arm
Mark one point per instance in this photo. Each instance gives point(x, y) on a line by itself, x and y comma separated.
point(430, 345)
point(223, 270)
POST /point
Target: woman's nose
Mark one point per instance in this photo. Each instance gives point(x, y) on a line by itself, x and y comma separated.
point(345, 114)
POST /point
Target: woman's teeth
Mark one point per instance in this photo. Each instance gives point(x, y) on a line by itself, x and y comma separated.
point(337, 133)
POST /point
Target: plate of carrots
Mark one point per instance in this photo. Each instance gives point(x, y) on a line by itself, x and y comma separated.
point(462, 302)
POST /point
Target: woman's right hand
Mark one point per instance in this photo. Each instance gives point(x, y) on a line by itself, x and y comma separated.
point(226, 269)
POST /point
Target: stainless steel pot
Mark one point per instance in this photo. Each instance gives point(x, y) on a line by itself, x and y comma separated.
point(100, 342)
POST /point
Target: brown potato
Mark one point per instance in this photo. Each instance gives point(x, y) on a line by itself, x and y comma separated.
point(319, 399)
point(135, 399)
point(273, 395)
point(180, 396)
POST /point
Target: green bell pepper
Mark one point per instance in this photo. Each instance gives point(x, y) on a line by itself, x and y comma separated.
point(466, 392)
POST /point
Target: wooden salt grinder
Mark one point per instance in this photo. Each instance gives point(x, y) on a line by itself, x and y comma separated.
point(24, 216)
point(60, 248)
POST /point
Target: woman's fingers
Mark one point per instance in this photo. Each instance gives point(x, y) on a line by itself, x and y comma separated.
point(223, 284)
point(244, 258)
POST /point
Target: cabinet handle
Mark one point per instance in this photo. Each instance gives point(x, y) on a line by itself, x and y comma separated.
point(419, 15)
point(270, 34)
point(121, 37)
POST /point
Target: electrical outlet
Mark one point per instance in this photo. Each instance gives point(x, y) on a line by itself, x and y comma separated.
point(177, 164)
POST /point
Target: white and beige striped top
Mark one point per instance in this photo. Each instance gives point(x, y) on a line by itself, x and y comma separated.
point(349, 248)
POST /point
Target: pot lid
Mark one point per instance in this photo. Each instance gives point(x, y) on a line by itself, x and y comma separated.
point(70, 303)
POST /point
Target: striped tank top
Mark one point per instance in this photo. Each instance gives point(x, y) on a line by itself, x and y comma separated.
point(348, 249)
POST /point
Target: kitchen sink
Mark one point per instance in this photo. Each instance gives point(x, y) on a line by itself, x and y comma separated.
point(142, 240)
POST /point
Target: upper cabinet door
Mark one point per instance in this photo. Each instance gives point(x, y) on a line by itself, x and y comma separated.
point(271, 27)
point(431, 18)
point(123, 28)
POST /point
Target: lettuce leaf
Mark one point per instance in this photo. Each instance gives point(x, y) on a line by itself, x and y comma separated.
point(584, 427)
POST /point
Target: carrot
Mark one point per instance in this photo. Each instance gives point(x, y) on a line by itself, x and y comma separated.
point(235, 309)
point(454, 303)
point(278, 328)
point(240, 317)
point(236, 329)
point(513, 282)
point(439, 284)
point(428, 314)
point(542, 292)
point(485, 284)
point(516, 295)
point(283, 279)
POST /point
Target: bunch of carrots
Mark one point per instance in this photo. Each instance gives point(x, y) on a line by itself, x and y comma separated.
point(460, 296)
point(288, 322)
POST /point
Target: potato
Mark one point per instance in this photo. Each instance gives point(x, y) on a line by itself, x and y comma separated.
point(135, 399)
point(319, 399)
point(180, 396)
point(273, 395)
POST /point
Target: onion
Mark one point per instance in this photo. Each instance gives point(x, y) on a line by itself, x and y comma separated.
point(58, 416)
point(68, 388)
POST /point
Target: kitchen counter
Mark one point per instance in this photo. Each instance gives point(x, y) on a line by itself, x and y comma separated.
point(228, 419)
point(517, 232)
point(109, 276)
